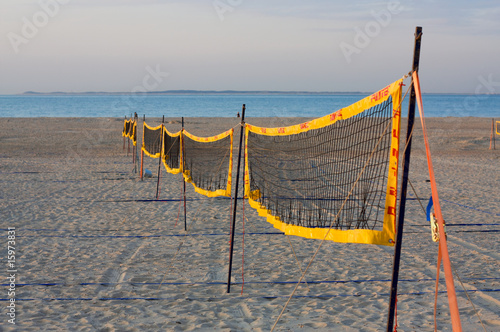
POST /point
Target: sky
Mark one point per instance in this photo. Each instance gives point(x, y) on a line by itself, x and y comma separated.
point(292, 45)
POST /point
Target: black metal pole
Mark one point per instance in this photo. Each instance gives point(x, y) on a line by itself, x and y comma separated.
point(124, 131)
point(159, 162)
point(182, 178)
point(493, 130)
point(128, 141)
point(142, 152)
point(136, 156)
point(231, 247)
point(132, 139)
point(404, 186)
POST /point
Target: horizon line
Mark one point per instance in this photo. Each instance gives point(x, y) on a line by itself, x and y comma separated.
point(188, 91)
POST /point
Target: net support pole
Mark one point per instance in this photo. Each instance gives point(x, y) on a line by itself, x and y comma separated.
point(136, 153)
point(404, 186)
point(231, 246)
point(124, 136)
point(182, 178)
point(128, 144)
point(159, 162)
point(493, 124)
point(142, 151)
point(443, 246)
point(492, 137)
point(133, 147)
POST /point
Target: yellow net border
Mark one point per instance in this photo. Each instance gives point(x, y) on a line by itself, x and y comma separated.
point(164, 158)
point(384, 237)
point(132, 134)
point(187, 173)
point(143, 148)
point(125, 131)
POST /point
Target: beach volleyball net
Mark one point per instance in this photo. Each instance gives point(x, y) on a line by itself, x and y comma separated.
point(205, 162)
point(151, 140)
point(171, 155)
point(332, 178)
point(130, 130)
point(208, 162)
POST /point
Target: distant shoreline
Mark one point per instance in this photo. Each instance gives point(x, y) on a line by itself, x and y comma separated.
point(197, 92)
point(218, 92)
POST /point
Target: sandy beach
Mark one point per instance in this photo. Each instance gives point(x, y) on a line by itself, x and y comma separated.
point(94, 251)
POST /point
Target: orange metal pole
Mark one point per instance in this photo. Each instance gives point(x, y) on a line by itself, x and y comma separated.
point(450, 286)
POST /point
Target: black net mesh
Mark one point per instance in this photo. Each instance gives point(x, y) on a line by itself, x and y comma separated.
point(171, 150)
point(208, 162)
point(126, 128)
point(304, 178)
point(133, 132)
point(152, 141)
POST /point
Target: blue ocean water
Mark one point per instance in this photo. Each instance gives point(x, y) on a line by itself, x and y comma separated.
point(227, 105)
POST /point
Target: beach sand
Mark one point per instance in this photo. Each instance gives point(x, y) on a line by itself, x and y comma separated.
point(92, 245)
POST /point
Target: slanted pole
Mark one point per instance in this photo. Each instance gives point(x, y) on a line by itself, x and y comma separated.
point(142, 151)
point(182, 178)
point(231, 247)
point(404, 186)
point(159, 162)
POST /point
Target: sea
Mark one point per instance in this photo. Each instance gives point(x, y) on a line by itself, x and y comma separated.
point(228, 105)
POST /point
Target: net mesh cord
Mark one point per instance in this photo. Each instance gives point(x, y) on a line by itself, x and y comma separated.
point(126, 128)
point(208, 162)
point(171, 151)
point(151, 143)
point(130, 130)
point(302, 180)
point(133, 134)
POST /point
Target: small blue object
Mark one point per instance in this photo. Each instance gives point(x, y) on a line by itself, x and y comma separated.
point(429, 207)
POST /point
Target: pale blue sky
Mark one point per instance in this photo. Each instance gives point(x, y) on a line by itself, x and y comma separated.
point(313, 45)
